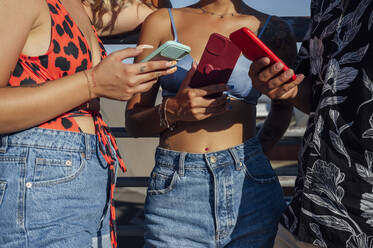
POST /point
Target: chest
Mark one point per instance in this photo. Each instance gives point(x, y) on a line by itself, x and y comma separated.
point(69, 50)
point(195, 32)
point(78, 16)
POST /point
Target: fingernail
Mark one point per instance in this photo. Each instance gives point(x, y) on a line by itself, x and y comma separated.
point(171, 63)
point(278, 66)
point(288, 73)
point(172, 70)
point(143, 46)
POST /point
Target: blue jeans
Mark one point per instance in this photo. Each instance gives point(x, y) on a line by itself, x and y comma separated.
point(230, 198)
point(53, 190)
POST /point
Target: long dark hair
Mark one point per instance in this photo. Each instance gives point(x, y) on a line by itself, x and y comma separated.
point(101, 7)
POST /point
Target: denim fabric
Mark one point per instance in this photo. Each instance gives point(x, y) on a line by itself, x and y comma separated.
point(230, 198)
point(53, 190)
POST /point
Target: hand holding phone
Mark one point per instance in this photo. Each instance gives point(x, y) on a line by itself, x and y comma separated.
point(170, 50)
point(217, 62)
point(253, 48)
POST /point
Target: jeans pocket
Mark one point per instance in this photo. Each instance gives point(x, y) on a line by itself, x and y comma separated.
point(258, 168)
point(53, 167)
point(161, 182)
point(2, 190)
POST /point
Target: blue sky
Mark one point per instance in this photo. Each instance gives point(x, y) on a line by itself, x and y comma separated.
point(273, 7)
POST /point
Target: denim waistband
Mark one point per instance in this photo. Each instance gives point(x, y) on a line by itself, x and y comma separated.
point(50, 139)
point(237, 153)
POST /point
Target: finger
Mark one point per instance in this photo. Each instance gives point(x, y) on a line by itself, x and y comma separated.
point(129, 52)
point(291, 84)
point(210, 89)
point(280, 79)
point(290, 93)
point(144, 86)
point(287, 90)
point(210, 102)
point(281, 94)
point(258, 65)
point(270, 72)
point(188, 78)
point(153, 75)
point(213, 111)
point(152, 66)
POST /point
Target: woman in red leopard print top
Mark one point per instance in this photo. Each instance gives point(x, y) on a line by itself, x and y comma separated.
point(57, 157)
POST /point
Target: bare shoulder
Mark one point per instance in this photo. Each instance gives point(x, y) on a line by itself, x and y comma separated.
point(159, 23)
point(26, 8)
point(158, 18)
point(23, 14)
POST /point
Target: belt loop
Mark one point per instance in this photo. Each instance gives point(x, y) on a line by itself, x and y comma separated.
point(88, 148)
point(3, 144)
point(181, 163)
point(236, 159)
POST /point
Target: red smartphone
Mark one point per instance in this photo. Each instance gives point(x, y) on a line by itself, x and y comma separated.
point(217, 62)
point(253, 48)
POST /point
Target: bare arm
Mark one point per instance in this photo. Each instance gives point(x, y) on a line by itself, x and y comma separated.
point(279, 38)
point(25, 107)
point(140, 109)
point(142, 117)
point(268, 80)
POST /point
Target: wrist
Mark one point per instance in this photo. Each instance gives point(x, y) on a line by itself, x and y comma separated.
point(165, 113)
point(91, 83)
point(171, 111)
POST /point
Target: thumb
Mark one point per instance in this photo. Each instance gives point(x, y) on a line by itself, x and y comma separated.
point(130, 52)
point(188, 78)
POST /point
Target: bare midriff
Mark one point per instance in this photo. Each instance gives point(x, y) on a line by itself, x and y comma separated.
point(213, 134)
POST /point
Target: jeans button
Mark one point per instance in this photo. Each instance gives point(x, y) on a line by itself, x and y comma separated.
point(68, 163)
point(28, 185)
point(213, 159)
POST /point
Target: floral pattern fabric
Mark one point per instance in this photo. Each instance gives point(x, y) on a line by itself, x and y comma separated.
point(333, 204)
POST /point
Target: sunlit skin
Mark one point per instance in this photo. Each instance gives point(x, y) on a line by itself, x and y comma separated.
point(208, 125)
point(269, 81)
point(25, 107)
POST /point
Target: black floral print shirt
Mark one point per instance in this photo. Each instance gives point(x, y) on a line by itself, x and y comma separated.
point(333, 205)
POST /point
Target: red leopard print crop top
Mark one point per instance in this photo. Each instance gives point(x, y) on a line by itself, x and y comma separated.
point(69, 53)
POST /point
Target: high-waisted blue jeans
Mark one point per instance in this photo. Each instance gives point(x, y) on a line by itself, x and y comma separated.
point(53, 190)
point(230, 198)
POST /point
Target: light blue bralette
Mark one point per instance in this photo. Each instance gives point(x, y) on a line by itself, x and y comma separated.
point(239, 81)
